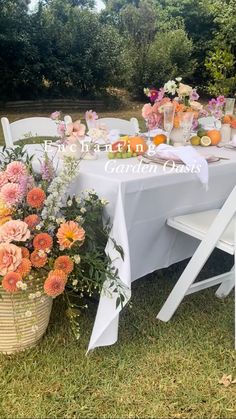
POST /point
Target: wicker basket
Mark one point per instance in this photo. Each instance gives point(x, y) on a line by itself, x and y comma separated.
point(23, 320)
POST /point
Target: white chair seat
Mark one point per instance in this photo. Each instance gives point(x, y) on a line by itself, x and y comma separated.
point(197, 225)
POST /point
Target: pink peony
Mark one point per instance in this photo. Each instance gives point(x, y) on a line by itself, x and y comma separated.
point(14, 230)
point(91, 116)
point(55, 115)
point(3, 179)
point(10, 258)
point(147, 110)
point(15, 171)
point(11, 193)
point(76, 128)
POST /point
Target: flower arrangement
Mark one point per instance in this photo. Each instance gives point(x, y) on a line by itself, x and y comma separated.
point(51, 243)
point(183, 97)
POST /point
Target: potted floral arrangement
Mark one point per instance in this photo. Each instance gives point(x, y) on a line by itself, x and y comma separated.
point(183, 97)
point(50, 244)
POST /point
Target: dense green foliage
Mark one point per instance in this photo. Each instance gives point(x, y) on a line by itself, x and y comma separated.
point(65, 47)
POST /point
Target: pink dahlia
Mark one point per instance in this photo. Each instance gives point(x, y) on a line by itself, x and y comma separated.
point(14, 230)
point(11, 193)
point(15, 170)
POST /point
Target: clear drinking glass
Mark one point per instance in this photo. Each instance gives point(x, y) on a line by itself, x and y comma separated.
point(229, 106)
point(186, 122)
point(169, 113)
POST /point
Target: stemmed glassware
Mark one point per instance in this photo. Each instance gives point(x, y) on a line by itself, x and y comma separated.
point(186, 122)
point(169, 113)
point(229, 106)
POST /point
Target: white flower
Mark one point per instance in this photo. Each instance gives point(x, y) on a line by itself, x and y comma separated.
point(77, 259)
point(178, 79)
point(170, 87)
point(104, 202)
point(69, 203)
point(31, 296)
point(21, 285)
point(78, 200)
point(28, 313)
point(38, 294)
point(79, 219)
point(60, 220)
point(75, 282)
point(35, 328)
point(83, 210)
point(38, 227)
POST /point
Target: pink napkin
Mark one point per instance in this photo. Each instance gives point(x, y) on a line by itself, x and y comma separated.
point(188, 155)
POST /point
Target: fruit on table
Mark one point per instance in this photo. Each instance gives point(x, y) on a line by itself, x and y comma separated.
point(214, 135)
point(118, 155)
point(201, 132)
point(195, 140)
point(137, 145)
point(119, 146)
point(159, 139)
point(205, 141)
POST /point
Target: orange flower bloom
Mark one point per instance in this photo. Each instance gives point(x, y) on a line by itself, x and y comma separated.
point(55, 283)
point(69, 233)
point(24, 267)
point(38, 260)
point(25, 252)
point(35, 198)
point(64, 263)
point(32, 221)
point(42, 241)
point(10, 280)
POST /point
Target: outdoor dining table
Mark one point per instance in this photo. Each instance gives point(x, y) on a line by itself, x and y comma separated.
point(140, 201)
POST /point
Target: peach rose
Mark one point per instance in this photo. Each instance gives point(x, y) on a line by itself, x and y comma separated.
point(196, 106)
point(14, 230)
point(147, 110)
point(10, 258)
point(184, 90)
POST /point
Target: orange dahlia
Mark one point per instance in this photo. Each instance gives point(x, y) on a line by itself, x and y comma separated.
point(38, 260)
point(24, 267)
point(32, 221)
point(42, 241)
point(25, 252)
point(35, 198)
point(10, 280)
point(69, 233)
point(64, 263)
point(55, 283)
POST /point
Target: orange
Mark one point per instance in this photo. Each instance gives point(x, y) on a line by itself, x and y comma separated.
point(159, 139)
point(137, 145)
point(227, 119)
point(214, 135)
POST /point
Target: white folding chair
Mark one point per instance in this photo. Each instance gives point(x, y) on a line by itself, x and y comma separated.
point(215, 228)
point(124, 127)
point(29, 127)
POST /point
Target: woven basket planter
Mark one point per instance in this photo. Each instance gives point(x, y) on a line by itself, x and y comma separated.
point(23, 320)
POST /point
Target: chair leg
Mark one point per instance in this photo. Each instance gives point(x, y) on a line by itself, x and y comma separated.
point(226, 287)
point(185, 281)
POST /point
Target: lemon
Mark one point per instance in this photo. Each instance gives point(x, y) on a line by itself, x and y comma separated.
point(205, 141)
point(195, 140)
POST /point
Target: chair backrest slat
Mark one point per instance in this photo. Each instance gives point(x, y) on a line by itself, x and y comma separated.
point(124, 127)
point(29, 127)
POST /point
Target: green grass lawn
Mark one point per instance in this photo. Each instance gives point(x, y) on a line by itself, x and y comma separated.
point(155, 370)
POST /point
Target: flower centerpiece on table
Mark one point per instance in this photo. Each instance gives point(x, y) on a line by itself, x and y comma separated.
point(183, 97)
point(50, 243)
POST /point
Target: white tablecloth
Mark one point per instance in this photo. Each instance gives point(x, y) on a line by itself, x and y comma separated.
point(139, 205)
